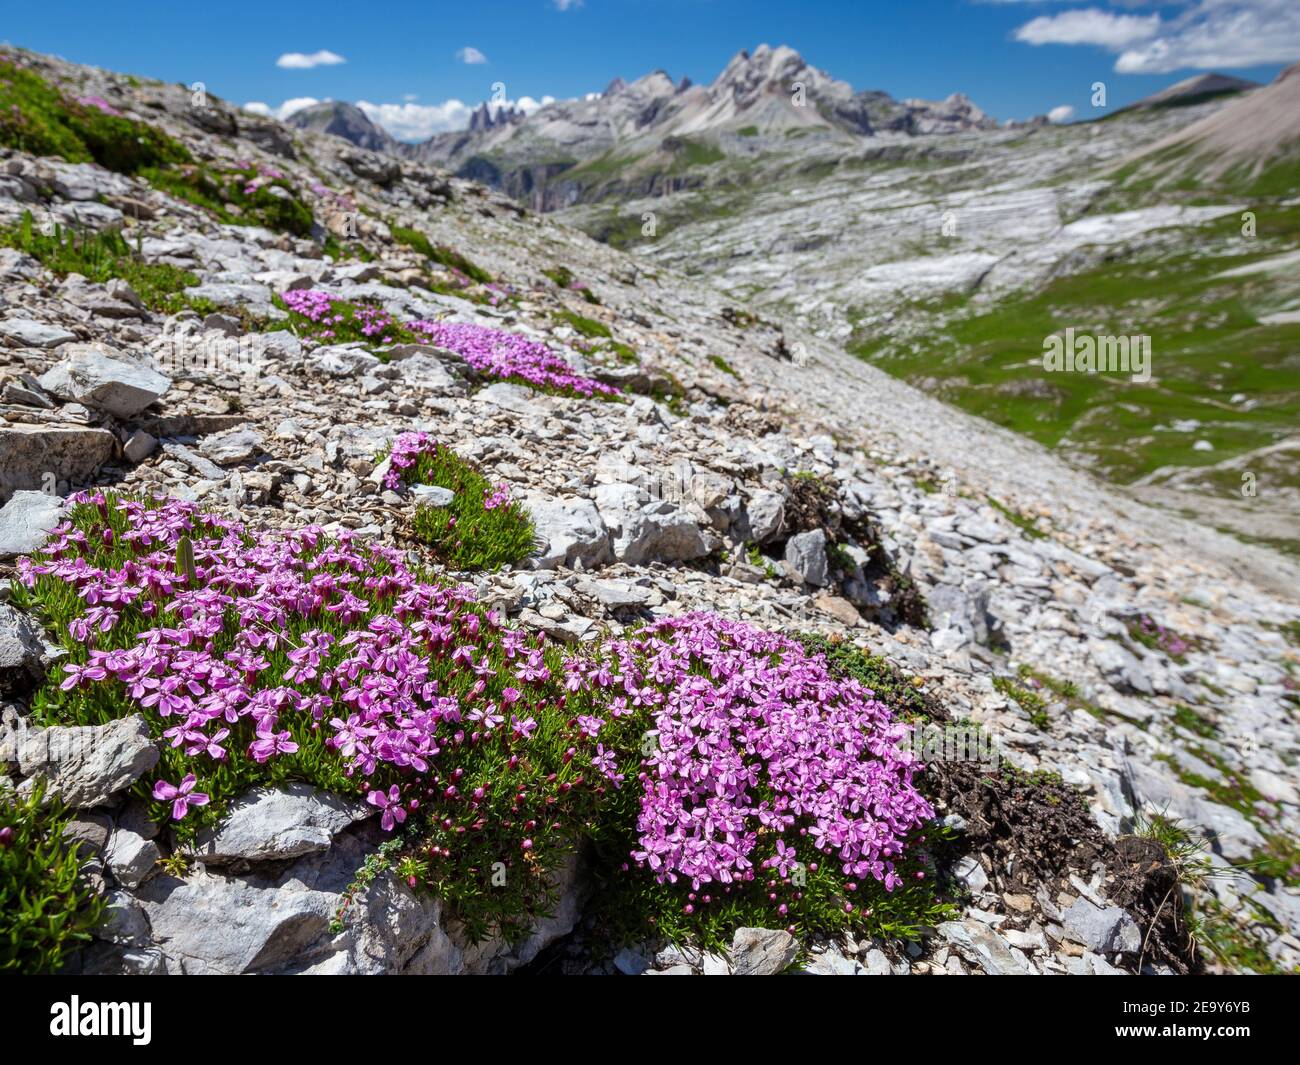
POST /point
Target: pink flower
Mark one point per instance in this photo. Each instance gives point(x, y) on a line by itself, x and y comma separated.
point(181, 798)
point(391, 805)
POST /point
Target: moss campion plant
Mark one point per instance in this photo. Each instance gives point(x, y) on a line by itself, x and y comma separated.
point(723, 773)
point(481, 528)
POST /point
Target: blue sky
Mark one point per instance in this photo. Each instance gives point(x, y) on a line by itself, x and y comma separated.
point(419, 66)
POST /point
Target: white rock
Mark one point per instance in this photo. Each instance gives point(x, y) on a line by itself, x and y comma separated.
point(27, 333)
point(26, 521)
point(278, 823)
point(94, 379)
point(762, 951)
point(86, 765)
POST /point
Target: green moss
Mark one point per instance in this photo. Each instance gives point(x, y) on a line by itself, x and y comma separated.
point(748, 131)
point(223, 194)
point(1025, 524)
point(413, 238)
point(897, 689)
point(453, 260)
point(1195, 723)
point(1029, 700)
point(564, 278)
point(723, 365)
point(588, 327)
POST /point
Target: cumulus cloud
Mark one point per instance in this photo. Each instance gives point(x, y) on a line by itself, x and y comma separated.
point(305, 60)
point(416, 122)
point(1089, 26)
point(470, 55)
point(1220, 33)
point(282, 112)
point(1198, 34)
point(407, 121)
point(1060, 114)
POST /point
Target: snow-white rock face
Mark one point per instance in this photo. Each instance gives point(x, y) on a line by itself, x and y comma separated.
point(691, 494)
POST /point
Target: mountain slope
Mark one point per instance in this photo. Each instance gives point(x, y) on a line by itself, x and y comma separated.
point(1117, 660)
point(1253, 144)
point(1194, 90)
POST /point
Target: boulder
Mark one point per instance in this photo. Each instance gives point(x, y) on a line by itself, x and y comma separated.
point(982, 946)
point(87, 765)
point(642, 532)
point(570, 531)
point(40, 456)
point(762, 951)
point(765, 513)
point(342, 360)
point(20, 651)
point(26, 521)
point(232, 447)
point(432, 495)
point(26, 333)
point(118, 386)
point(130, 858)
point(274, 824)
point(806, 555)
point(1107, 930)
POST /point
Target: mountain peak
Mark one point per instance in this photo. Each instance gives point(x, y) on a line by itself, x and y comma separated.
point(342, 119)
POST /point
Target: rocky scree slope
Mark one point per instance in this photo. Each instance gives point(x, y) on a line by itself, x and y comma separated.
point(1112, 652)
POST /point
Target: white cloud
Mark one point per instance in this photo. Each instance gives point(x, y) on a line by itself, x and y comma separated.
point(417, 122)
point(407, 121)
point(1089, 26)
point(305, 61)
point(1218, 34)
point(528, 105)
point(284, 110)
point(1198, 35)
point(1060, 114)
point(567, 5)
point(470, 55)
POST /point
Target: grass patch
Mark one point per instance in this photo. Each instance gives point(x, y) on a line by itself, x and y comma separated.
point(413, 238)
point(35, 117)
point(905, 694)
point(1197, 724)
point(467, 534)
point(1025, 524)
point(1029, 700)
point(564, 278)
point(587, 327)
point(456, 262)
point(242, 196)
point(47, 911)
point(99, 256)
